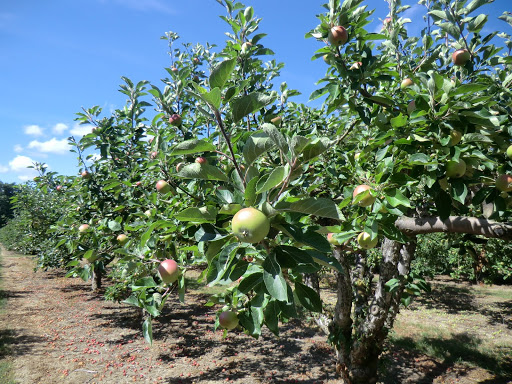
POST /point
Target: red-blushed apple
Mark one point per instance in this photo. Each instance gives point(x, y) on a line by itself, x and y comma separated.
point(153, 155)
point(86, 174)
point(196, 60)
point(461, 57)
point(138, 184)
point(337, 35)
point(59, 188)
point(83, 228)
point(455, 137)
point(406, 83)
point(455, 169)
point(122, 239)
point(504, 183)
point(175, 120)
point(201, 160)
point(250, 225)
point(331, 239)
point(368, 199)
point(365, 241)
point(277, 121)
point(356, 65)
point(509, 152)
point(228, 320)
point(174, 69)
point(163, 186)
point(168, 271)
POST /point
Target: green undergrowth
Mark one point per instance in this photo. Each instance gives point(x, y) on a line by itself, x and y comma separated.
point(6, 368)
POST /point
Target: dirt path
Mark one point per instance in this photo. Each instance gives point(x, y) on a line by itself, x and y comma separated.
point(62, 333)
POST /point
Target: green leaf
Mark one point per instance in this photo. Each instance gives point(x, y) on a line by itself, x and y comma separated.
point(271, 315)
point(197, 215)
point(147, 330)
point(468, 89)
point(298, 144)
point(276, 177)
point(192, 146)
point(250, 192)
point(114, 226)
point(316, 148)
point(399, 121)
point(202, 171)
point(257, 144)
point(245, 105)
point(273, 278)
point(250, 282)
point(475, 4)
point(321, 207)
point(306, 236)
point(276, 136)
point(308, 297)
point(396, 198)
point(221, 73)
point(421, 159)
point(459, 190)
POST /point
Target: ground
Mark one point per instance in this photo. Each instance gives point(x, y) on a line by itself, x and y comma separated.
point(54, 330)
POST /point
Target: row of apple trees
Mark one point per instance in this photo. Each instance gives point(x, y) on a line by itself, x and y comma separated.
point(216, 165)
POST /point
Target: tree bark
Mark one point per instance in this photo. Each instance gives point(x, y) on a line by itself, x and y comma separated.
point(454, 224)
point(96, 279)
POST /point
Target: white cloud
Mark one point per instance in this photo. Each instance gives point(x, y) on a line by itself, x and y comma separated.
point(19, 165)
point(81, 130)
point(60, 128)
point(33, 130)
point(3, 168)
point(51, 146)
point(18, 148)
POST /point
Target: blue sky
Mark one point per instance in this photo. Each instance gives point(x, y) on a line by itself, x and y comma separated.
point(59, 56)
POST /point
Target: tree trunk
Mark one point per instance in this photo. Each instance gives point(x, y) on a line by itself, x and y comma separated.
point(96, 278)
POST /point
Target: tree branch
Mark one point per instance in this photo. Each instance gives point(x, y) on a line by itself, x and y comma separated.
point(454, 224)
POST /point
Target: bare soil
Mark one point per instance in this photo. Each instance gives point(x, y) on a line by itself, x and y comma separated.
point(58, 331)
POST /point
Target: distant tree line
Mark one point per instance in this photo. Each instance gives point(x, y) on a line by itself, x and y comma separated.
point(6, 211)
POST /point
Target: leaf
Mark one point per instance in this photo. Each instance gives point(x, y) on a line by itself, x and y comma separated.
point(147, 330)
point(276, 177)
point(298, 144)
point(114, 226)
point(308, 297)
point(221, 73)
point(276, 136)
point(399, 121)
point(197, 215)
point(192, 146)
point(321, 207)
point(468, 89)
point(420, 159)
point(202, 171)
point(475, 4)
point(245, 105)
point(459, 190)
point(257, 144)
point(306, 236)
point(396, 198)
point(250, 282)
point(316, 148)
point(273, 278)
point(271, 315)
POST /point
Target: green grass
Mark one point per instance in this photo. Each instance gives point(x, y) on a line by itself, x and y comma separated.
point(6, 368)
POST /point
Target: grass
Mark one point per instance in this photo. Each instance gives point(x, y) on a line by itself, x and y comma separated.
point(6, 368)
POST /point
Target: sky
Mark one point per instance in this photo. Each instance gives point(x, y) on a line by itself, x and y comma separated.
point(59, 56)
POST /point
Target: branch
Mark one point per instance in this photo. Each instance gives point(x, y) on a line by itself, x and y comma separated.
point(412, 226)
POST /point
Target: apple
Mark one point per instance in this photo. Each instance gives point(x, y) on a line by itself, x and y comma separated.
point(86, 174)
point(504, 183)
point(411, 107)
point(277, 121)
point(250, 225)
point(386, 21)
point(337, 36)
point(59, 188)
point(228, 320)
point(455, 137)
point(83, 228)
point(168, 271)
point(461, 57)
point(138, 184)
point(201, 160)
point(196, 79)
point(364, 240)
point(163, 186)
point(174, 69)
point(196, 60)
point(122, 239)
point(509, 152)
point(147, 213)
point(153, 155)
point(455, 169)
point(356, 65)
point(331, 239)
point(406, 83)
point(367, 200)
point(357, 155)
point(175, 120)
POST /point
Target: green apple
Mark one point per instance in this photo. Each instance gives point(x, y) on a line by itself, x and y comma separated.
point(122, 239)
point(509, 152)
point(250, 225)
point(365, 241)
point(331, 239)
point(455, 137)
point(406, 83)
point(228, 320)
point(455, 169)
